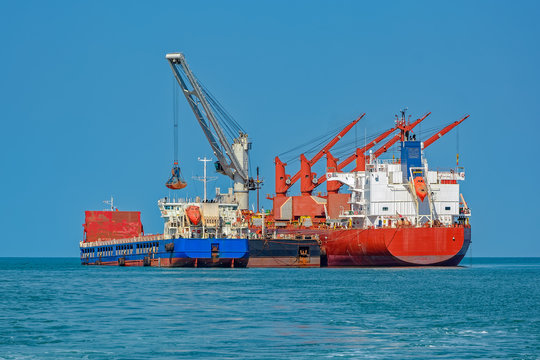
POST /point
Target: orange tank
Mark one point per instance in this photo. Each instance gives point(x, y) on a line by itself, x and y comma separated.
point(420, 187)
point(194, 215)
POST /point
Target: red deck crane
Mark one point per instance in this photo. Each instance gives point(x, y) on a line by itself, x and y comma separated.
point(285, 181)
point(359, 153)
point(405, 129)
point(441, 133)
point(331, 162)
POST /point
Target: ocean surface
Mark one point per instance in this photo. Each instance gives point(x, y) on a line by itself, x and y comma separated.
point(58, 309)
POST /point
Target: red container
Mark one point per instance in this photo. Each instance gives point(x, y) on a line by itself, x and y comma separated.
point(108, 225)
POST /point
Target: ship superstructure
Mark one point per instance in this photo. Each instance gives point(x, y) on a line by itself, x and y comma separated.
point(196, 219)
point(384, 194)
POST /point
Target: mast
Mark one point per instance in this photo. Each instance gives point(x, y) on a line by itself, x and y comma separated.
point(110, 203)
point(205, 179)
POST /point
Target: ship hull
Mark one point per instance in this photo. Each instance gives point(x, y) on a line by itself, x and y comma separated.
point(192, 252)
point(283, 253)
point(437, 246)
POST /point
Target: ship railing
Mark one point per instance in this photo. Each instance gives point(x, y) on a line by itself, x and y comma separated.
point(351, 213)
point(153, 237)
point(388, 161)
point(450, 174)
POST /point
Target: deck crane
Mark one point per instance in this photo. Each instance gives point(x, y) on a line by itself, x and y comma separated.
point(441, 133)
point(360, 156)
point(284, 181)
point(405, 128)
point(232, 159)
point(332, 165)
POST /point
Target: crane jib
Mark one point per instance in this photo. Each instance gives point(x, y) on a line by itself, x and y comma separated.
point(234, 164)
point(233, 157)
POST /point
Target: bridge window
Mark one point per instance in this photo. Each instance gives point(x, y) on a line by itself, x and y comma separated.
point(447, 208)
point(385, 208)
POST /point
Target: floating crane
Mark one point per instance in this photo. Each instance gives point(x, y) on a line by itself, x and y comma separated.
point(232, 159)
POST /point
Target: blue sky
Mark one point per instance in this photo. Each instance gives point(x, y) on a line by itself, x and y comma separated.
point(86, 100)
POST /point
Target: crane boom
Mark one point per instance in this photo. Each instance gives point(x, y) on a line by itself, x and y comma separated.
point(379, 138)
point(233, 159)
point(202, 122)
point(338, 137)
point(359, 152)
point(229, 168)
point(362, 150)
point(405, 128)
point(441, 133)
point(325, 149)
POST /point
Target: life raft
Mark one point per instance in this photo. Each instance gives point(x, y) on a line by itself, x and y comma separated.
point(194, 214)
point(420, 187)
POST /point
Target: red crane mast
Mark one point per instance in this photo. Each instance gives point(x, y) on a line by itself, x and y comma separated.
point(350, 159)
point(359, 153)
point(284, 181)
point(405, 128)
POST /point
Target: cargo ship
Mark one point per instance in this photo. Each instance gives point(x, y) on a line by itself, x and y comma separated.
point(401, 214)
point(394, 212)
point(113, 237)
point(397, 212)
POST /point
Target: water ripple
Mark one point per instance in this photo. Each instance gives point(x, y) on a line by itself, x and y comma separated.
point(55, 308)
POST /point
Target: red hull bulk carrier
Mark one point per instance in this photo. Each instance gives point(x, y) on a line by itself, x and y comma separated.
point(398, 211)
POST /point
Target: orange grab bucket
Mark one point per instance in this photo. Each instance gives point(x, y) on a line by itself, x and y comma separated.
point(176, 182)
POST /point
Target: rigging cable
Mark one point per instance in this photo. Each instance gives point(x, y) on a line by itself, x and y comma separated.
point(175, 122)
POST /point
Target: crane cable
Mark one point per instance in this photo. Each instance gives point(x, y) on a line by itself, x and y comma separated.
point(175, 122)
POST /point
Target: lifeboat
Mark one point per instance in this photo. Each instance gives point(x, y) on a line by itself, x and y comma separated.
point(176, 182)
point(420, 187)
point(194, 214)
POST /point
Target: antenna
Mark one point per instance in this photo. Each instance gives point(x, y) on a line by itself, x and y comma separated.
point(110, 202)
point(205, 178)
point(258, 187)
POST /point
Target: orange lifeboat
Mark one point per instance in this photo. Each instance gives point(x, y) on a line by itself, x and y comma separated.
point(176, 182)
point(420, 187)
point(194, 215)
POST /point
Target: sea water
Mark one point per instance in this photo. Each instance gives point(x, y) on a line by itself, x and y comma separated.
point(58, 309)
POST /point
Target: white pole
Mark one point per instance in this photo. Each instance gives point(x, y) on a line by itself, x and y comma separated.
point(205, 178)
